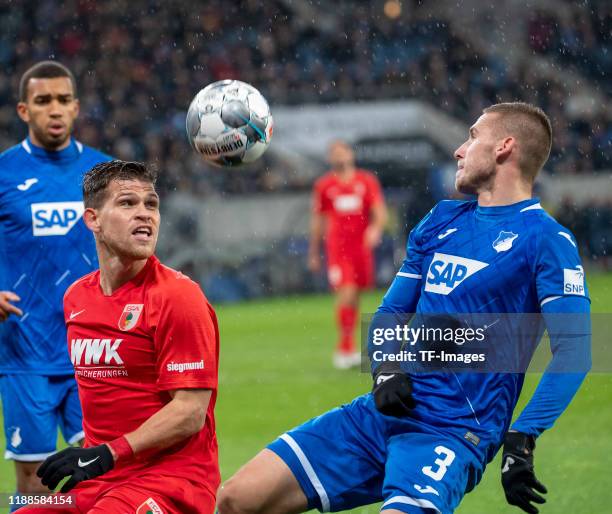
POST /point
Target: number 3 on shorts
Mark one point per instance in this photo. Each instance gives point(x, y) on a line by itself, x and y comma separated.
point(448, 456)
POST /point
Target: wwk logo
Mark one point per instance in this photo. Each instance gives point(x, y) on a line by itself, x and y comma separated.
point(90, 352)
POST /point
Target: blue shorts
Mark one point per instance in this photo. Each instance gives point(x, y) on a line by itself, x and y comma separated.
point(353, 456)
point(33, 407)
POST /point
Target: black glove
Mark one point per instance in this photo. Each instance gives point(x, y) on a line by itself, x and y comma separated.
point(517, 477)
point(392, 391)
point(78, 463)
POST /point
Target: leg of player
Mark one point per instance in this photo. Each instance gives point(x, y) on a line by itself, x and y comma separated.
point(264, 485)
point(27, 481)
point(347, 302)
point(70, 416)
point(33, 406)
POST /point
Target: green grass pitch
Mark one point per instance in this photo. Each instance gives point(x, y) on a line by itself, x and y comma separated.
point(276, 372)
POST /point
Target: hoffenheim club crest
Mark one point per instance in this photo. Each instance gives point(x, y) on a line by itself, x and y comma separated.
point(504, 241)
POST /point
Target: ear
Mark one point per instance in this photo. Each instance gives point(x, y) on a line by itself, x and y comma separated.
point(504, 148)
point(92, 220)
point(77, 107)
point(22, 111)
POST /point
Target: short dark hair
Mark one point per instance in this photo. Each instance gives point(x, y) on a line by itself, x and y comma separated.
point(44, 70)
point(97, 179)
point(531, 127)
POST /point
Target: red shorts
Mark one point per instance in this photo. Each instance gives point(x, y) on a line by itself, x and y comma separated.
point(149, 494)
point(350, 267)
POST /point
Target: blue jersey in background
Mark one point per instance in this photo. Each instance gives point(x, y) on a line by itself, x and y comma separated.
point(44, 247)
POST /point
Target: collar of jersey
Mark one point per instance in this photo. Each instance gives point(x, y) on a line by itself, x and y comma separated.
point(504, 210)
point(69, 153)
point(132, 283)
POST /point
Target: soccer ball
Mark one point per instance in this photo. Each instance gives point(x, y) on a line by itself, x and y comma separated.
point(229, 123)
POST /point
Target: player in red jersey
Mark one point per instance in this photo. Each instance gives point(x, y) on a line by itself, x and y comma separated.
point(144, 343)
point(349, 213)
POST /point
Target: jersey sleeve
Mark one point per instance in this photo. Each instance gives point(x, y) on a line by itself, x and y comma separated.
point(375, 194)
point(320, 204)
point(569, 326)
point(400, 299)
point(558, 269)
point(405, 290)
point(186, 340)
point(411, 267)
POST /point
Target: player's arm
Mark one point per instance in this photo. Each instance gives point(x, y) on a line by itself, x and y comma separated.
point(566, 310)
point(317, 227)
point(378, 220)
point(568, 324)
point(392, 389)
point(402, 296)
point(6, 307)
point(378, 216)
point(183, 416)
point(179, 419)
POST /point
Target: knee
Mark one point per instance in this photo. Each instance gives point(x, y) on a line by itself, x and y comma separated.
point(348, 296)
point(231, 500)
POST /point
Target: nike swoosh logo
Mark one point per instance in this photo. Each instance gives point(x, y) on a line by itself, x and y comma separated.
point(383, 378)
point(87, 463)
point(75, 314)
point(27, 184)
point(447, 233)
point(509, 462)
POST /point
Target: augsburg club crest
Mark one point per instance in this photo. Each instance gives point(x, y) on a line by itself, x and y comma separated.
point(150, 506)
point(130, 316)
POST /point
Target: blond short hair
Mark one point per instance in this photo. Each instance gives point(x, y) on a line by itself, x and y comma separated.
point(531, 128)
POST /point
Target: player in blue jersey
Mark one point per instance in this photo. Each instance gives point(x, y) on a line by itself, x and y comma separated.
point(44, 247)
point(421, 440)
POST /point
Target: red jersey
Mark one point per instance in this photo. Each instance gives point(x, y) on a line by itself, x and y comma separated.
point(346, 205)
point(155, 334)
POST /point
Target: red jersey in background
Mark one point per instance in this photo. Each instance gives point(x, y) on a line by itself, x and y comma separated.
point(346, 206)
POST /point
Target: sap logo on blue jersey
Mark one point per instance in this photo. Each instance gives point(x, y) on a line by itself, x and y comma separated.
point(446, 272)
point(55, 218)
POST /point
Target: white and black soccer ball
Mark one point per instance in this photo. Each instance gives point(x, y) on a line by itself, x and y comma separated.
point(229, 123)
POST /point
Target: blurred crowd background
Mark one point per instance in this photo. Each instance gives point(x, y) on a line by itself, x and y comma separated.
point(139, 63)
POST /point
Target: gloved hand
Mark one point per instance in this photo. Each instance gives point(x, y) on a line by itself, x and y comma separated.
point(518, 477)
point(77, 463)
point(392, 391)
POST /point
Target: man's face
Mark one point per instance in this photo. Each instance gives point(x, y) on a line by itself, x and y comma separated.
point(128, 221)
point(49, 110)
point(476, 157)
point(341, 158)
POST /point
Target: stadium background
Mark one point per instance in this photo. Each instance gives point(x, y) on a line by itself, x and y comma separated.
point(399, 80)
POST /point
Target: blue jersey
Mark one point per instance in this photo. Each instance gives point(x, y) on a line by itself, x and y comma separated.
point(44, 247)
point(463, 258)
